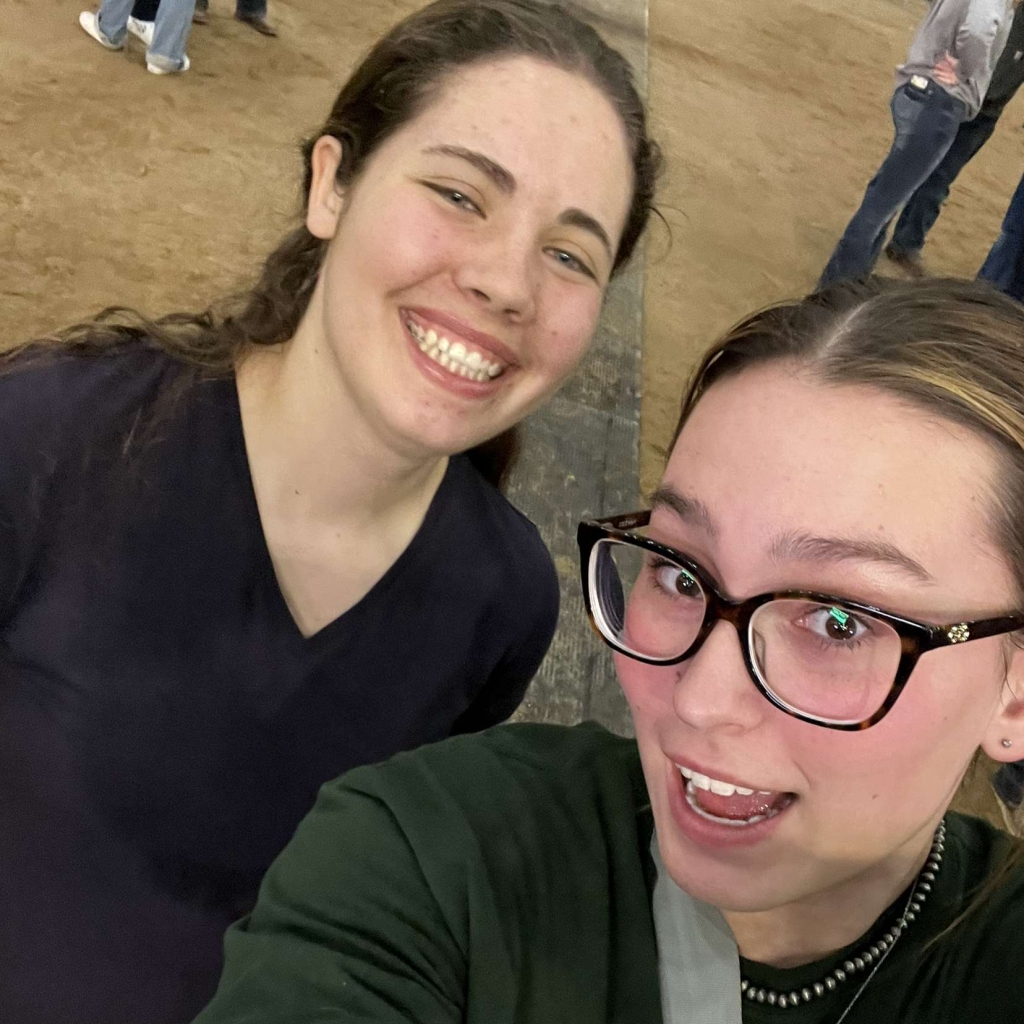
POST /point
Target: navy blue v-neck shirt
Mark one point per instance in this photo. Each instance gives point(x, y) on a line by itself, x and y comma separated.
point(164, 725)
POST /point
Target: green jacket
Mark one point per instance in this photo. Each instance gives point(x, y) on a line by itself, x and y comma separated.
point(505, 878)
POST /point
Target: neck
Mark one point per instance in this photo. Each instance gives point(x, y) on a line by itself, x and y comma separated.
point(312, 454)
point(819, 925)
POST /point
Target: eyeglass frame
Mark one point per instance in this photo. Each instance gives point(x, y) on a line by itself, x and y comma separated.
point(916, 638)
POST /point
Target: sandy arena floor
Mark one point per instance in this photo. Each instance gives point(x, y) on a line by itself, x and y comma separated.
point(122, 187)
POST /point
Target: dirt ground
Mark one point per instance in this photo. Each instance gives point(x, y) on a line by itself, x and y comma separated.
point(122, 187)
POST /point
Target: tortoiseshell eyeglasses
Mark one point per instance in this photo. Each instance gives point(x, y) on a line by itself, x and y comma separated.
point(825, 660)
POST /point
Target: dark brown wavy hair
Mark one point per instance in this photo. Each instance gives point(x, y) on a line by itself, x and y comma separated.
point(394, 82)
point(952, 348)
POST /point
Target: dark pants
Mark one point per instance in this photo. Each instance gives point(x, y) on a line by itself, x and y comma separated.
point(145, 10)
point(1004, 266)
point(1009, 783)
point(926, 122)
point(923, 209)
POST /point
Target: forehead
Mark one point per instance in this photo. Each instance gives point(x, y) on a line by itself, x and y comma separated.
point(554, 130)
point(772, 451)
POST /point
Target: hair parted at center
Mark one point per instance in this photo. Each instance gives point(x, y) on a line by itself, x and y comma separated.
point(395, 81)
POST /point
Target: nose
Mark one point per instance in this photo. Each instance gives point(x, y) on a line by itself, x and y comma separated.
point(713, 689)
point(501, 275)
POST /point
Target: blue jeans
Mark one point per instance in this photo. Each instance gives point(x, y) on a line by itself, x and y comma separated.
point(922, 211)
point(1004, 266)
point(926, 122)
point(173, 21)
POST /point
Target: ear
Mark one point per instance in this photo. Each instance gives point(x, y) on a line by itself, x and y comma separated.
point(326, 200)
point(1008, 722)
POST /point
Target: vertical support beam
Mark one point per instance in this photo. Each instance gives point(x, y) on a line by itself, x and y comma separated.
point(580, 456)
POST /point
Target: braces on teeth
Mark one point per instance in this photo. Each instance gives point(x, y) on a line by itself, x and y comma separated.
point(453, 356)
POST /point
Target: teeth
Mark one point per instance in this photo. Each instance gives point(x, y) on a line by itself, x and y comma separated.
point(453, 355)
point(716, 785)
point(691, 799)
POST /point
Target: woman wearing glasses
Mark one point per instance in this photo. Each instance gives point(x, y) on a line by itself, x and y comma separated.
point(245, 550)
point(816, 629)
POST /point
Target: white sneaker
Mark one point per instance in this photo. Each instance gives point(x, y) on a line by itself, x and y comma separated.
point(142, 30)
point(91, 24)
point(156, 69)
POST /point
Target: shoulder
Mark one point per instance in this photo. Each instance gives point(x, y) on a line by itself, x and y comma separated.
point(50, 391)
point(485, 501)
point(493, 522)
point(988, 943)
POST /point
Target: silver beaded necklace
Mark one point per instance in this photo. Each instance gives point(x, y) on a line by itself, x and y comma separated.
point(872, 957)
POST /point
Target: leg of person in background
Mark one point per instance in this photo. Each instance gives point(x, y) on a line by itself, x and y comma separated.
point(926, 122)
point(143, 20)
point(167, 54)
point(201, 15)
point(108, 25)
point(254, 13)
point(1004, 266)
point(922, 210)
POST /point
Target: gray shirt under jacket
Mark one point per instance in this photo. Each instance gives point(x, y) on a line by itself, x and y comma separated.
point(974, 32)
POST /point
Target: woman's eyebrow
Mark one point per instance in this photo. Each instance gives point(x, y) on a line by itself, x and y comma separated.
point(506, 182)
point(688, 509)
point(574, 217)
point(499, 175)
point(810, 548)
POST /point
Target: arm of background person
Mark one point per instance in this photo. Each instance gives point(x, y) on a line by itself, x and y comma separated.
point(977, 36)
point(346, 929)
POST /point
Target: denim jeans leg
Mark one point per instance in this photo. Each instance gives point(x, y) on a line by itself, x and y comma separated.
point(1004, 266)
point(173, 22)
point(922, 211)
point(926, 125)
point(112, 18)
point(251, 8)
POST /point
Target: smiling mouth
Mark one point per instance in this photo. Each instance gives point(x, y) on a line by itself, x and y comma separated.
point(456, 357)
point(726, 803)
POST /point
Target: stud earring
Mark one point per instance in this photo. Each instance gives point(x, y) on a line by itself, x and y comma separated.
point(1007, 743)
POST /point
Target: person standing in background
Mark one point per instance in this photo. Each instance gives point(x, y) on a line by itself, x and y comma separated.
point(941, 85)
point(1004, 266)
point(922, 211)
point(251, 12)
point(165, 46)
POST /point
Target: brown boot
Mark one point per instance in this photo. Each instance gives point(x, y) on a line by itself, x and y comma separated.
point(909, 262)
point(260, 24)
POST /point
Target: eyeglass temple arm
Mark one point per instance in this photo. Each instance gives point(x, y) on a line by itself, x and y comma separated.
point(628, 521)
point(961, 632)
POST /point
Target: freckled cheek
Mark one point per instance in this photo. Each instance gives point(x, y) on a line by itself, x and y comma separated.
point(403, 245)
point(648, 688)
point(569, 326)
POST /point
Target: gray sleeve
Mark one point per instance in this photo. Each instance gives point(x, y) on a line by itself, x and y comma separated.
point(977, 36)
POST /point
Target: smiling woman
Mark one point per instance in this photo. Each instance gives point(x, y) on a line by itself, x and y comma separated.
point(245, 550)
point(817, 627)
